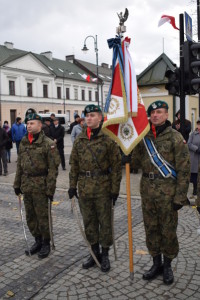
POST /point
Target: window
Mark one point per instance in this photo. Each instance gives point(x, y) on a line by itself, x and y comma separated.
point(76, 94)
point(90, 95)
point(29, 89)
point(59, 111)
point(67, 93)
point(11, 87)
point(58, 92)
point(45, 91)
point(96, 96)
point(83, 94)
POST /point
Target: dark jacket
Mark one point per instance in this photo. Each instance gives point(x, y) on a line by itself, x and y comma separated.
point(46, 129)
point(72, 125)
point(3, 138)
point(58, 133)
point(187, 128)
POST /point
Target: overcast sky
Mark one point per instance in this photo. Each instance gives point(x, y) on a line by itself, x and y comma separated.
point(61, 26)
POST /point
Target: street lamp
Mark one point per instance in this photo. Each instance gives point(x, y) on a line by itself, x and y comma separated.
point(96, 50)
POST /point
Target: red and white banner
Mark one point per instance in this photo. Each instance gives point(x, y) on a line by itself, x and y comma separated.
point(169, 19)
point(125, 118)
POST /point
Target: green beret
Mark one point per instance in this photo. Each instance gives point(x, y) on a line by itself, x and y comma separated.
point(155, 105)
point(92, 108)
point(33, 117)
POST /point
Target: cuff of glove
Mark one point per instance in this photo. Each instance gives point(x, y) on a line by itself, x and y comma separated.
point(177, 206)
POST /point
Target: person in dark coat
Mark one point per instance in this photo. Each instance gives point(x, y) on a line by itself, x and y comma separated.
point(9, 143)
point(57, 133)
point(3, 159)
point(177, 126)
point(18, 131)
point(194, 148)
point(46, 126)
point(76, 117)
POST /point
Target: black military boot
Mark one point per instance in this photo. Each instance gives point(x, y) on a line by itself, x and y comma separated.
point(90, 261)
point(156, 269)
point(105, 263)
point(35, 247)
point(45, 249)
point(194, 189)
point(168, 276)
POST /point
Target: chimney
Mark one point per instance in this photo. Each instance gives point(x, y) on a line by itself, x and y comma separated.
point(70, 58)
point(104, 65)
point(48, 54)
point(8, 45)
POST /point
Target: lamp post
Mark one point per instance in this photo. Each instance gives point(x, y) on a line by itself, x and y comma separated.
point(96, 50)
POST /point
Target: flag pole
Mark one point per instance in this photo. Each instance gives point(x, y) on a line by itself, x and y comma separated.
point(130, 238)
point(120, 30)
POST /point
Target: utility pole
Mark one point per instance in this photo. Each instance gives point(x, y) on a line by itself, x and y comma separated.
point(182, 92)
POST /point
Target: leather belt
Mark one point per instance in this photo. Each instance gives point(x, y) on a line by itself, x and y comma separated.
point(93, 173)
point(35, 175)
point(151, 175)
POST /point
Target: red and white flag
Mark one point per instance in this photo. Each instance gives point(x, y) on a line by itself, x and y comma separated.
point(169, 19)
point(86, 77)
point(125, 118)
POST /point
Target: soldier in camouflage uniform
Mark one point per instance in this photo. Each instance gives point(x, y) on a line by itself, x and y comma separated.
point(96, 168)
point(162, 197)
point(37, 170)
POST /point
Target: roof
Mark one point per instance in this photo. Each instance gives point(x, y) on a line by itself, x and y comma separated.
point(60, 68)
point(155, 72)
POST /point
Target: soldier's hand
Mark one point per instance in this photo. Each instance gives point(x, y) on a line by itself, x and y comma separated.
point(18, 191)
point(72, 192)
point(177, 206)
point(114, 198)
point(198, 209)
point(126, 159)
point(50, 197)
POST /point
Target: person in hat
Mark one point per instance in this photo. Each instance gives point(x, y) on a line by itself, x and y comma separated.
point(76, 118)
point(96, 168)
point(177, 126)
point(57, 133)
point(77, 129)
point(194, 148)
point(37, 170)
point(163, 191)
point(46, 126)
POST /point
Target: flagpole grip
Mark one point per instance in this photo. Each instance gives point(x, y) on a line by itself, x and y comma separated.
point(128, 191)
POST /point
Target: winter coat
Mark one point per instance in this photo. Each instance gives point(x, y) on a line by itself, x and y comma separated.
point(187, 126)
point(3, 138)
point(58, 133)
point(18, 131)
point(193, 145)
point(75, 132)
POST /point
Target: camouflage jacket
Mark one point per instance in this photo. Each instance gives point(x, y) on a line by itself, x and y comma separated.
point(171, 147)
point(37, 166)
point(108, 157)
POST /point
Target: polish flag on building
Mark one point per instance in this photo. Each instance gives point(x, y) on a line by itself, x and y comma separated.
point(125, 119)
point(168, 19)
point(86, 77)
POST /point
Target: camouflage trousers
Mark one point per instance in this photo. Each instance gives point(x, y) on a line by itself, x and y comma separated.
point(160, 222)
point(96, 213)
point(36, 207)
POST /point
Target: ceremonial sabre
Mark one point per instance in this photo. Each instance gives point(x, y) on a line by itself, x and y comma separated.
point(50, 225)
point(82, 232)
point(20, 197)
point(113, 233)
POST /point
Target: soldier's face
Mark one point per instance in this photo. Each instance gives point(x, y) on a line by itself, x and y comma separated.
point(34, 126)
point(158, 116)
point(93, 119)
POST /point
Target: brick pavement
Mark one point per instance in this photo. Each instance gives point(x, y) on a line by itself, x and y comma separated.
point(60, 276)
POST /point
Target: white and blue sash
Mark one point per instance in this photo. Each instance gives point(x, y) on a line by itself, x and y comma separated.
point(159, 162)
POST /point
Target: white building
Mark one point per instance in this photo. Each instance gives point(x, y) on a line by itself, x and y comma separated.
point(45, 84)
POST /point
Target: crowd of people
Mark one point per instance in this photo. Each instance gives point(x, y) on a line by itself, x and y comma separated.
point(95, 176)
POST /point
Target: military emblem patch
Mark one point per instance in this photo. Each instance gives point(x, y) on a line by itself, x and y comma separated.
point(126, 131)
point(154, 106)
point(114, 105)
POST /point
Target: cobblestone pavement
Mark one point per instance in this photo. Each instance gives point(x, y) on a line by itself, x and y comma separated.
point(60, 276)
